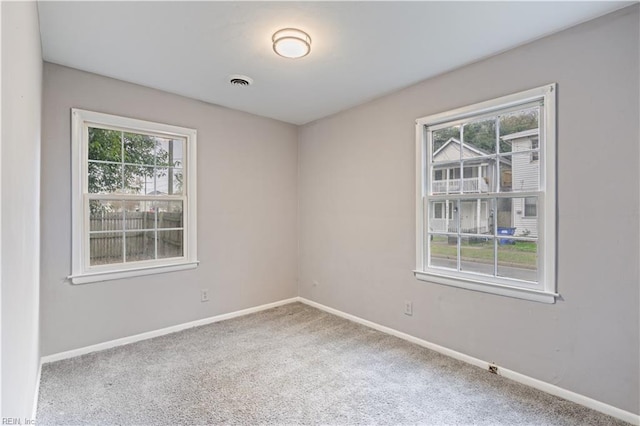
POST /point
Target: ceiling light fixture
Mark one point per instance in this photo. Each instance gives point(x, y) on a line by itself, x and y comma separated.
point(291, 43)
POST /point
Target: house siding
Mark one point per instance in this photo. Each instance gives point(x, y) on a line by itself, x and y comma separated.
point(525, 177)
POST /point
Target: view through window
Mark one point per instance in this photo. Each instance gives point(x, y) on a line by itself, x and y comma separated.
point(148, 223)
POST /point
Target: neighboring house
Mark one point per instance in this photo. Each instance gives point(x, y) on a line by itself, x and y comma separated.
point(525, 176)
point(478, 175)
point(519, 172)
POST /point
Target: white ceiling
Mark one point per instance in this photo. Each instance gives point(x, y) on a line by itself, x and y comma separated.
point(360, 50)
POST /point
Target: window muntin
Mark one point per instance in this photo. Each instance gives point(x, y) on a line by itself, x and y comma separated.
point(134, 197)
point(499, 235)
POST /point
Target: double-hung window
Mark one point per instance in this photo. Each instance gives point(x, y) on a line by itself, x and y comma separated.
point(485, 210)
point(133, 197)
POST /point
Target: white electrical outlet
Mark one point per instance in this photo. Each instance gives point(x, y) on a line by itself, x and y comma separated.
point(204, 295)
point(408, 307)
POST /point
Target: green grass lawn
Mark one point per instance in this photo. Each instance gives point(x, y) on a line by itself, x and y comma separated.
point(523, 254)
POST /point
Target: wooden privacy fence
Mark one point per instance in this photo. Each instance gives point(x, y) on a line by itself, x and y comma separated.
point(138, 228)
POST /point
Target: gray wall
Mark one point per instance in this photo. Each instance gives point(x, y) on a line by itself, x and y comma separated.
point(21, 105)
point(247, 214)
point(357, 215)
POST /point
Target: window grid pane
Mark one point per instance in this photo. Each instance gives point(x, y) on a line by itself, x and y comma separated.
point(105, 248)
point(518, 260)
point(477, 255)
point(140, 245)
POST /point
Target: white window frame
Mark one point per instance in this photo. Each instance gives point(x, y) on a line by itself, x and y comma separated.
point(82, 272)
point(545, 289)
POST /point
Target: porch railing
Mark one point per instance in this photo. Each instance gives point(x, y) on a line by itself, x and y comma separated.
point(469, 185)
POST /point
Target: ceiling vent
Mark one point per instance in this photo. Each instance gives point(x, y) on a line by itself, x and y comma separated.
point(240, 80)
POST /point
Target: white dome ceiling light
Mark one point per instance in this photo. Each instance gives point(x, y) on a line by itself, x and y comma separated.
point(291, 43)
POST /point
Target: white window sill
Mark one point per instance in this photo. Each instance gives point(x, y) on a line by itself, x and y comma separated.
point(488, 287)
point(90, 277)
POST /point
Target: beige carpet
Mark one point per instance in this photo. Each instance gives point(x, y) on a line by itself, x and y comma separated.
point(289, 365)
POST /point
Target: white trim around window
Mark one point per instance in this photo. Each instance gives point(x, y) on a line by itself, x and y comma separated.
point(186, 258)
point(446, 267)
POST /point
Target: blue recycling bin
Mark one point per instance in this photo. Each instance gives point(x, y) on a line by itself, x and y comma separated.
point(506, 231)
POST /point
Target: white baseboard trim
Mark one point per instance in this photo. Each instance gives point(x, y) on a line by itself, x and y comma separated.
point(610, 410)
point(627, 416)
point(36, 395)
point(161, 332)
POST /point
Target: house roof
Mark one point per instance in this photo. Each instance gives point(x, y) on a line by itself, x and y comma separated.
point(468, 151)
point(449, 153)
point(519, 135)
